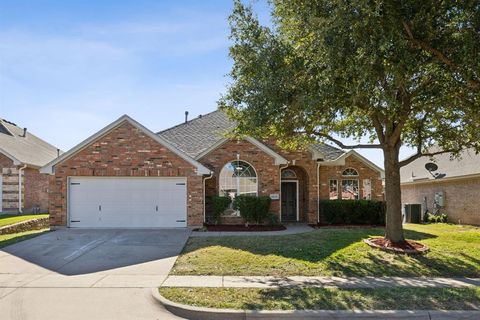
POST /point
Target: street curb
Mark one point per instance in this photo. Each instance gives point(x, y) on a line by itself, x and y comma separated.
point(201, 313)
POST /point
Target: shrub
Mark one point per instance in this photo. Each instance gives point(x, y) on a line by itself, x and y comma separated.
point(353, 212)
point(435, 218)
point(252, 209)
point(220, 204)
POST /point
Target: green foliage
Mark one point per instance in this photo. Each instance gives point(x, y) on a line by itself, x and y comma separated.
point(220, 204)
point(253, 209)
point(395, 71)
point(435, 218)
point(399, 73)
point(353, 212)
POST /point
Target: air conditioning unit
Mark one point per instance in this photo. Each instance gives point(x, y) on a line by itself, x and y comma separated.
point(412, 213)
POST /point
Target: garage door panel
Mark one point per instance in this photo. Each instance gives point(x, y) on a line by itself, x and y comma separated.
point(127, 202)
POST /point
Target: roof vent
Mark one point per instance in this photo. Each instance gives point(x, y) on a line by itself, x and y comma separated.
point(24, 132)
point(186, 116)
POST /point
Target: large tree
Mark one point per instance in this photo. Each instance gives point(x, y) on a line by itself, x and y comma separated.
point(401, 73)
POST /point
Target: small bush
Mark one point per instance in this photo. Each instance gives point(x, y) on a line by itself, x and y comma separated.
point(220, 204)
point(252, 209)
point(367, 212)
point(435, 218)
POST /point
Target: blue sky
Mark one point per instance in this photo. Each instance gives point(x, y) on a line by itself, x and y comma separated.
point(68, 68)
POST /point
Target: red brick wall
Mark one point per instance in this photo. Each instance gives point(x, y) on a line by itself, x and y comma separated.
point(461, 198)
point(36, 190)
point(267, 172)
point(302, 160)
point(364, 172)
point(125, 151)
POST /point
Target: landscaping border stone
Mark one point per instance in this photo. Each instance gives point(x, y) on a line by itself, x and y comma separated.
point(28, 225)
point(201, 313)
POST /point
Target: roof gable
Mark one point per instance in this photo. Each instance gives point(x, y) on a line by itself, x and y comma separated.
point(49, 168)
point(24, 148)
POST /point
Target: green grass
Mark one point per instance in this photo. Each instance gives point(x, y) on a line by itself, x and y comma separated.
point(7, 219)
point(8, 239)
point(454, 251)
point(328, 299)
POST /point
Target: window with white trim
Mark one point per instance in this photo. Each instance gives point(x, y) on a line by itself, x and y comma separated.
point(333, 189)
point(350, 189)
point(238, 178)
point(367, 189)
point(288, 174)
point(350, 172)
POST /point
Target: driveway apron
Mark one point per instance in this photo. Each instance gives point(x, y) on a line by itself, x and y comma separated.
point(88, 274)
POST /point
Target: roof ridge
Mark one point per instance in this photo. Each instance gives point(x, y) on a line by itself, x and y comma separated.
point(201, 116)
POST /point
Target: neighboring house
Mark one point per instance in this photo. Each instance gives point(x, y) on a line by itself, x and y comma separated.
point(127, 176)
point(22, 187)
point(455, 190)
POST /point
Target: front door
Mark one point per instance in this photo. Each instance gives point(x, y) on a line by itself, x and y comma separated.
point(289, 201)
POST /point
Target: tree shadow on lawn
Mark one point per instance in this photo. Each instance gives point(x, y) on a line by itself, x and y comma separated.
point(343, 253)
point(367, 299)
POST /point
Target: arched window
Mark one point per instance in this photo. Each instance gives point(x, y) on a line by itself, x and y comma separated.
point(288, 174)
point(350, 172)
point(238, 178)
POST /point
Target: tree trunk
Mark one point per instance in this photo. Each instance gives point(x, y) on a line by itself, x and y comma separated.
point(393, 197)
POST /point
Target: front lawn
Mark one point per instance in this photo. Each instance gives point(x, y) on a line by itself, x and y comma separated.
point(454, 251)
point(328, 299)
point(7, 219)
point(8, 239)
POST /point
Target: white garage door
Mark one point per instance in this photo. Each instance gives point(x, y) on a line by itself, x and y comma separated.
point(104, 202)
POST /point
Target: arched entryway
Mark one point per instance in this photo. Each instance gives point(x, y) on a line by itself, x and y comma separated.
point(293, 194)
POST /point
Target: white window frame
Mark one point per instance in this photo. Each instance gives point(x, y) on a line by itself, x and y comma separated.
point(363, 189)
point(338, 187)
point(227, 163)
point(358, 188)
point(350, 175)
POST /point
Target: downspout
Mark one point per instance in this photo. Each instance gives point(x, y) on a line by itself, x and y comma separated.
point(280, 195)
point(20, 188)
point(204, 206)
point(318, 192)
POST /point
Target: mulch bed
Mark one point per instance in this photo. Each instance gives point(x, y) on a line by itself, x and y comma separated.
point(407, 247)
point(224, 227)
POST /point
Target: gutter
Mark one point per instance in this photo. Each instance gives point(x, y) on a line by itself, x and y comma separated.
point(20, 210)
point(318, 192)
point(204, 206)
point(280, 195)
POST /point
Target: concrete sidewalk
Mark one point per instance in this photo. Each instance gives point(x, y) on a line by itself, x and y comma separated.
point(319, 282)
point(294, 228)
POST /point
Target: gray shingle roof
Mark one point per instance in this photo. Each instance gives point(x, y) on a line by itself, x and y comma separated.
point(202, 133)
point(29, 150)
point(329, 152)
point(468, 164)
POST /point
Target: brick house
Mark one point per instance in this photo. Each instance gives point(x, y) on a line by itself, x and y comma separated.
point(22, 154)
point(127, 176)
point(453, 188)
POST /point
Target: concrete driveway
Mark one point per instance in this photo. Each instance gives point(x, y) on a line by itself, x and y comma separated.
point(88, 274)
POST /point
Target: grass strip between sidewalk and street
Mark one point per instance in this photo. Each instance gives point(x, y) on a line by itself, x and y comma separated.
point(327, 298)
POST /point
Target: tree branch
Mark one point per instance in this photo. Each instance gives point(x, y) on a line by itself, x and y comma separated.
point(474, 83)
point(343, 146)
point(419, 154)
